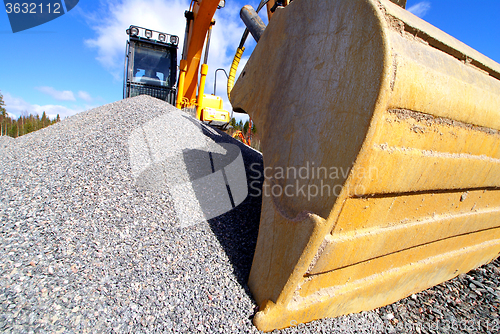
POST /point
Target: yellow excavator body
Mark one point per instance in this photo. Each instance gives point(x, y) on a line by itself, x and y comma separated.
point(381, 146)
point(198, 31)
point(212, 110)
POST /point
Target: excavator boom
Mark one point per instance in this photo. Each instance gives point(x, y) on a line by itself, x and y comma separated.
point(199, 19)
point(189, 94)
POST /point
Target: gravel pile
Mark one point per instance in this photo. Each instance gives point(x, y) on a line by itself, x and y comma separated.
point(468, 303)
point(5, 141)
point(98, 233)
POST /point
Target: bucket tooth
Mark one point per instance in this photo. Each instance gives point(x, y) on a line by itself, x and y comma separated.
point(381, 145)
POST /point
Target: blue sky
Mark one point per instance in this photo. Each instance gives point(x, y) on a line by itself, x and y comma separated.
point(75, 62)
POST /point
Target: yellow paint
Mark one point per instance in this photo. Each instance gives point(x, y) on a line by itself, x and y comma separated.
point(365, 269)
point(212, 101)
point(212, 110)
point(203, 12)
point(406, 120)
point(370, 212)
point(233, 69)
point(201, 90)
point(345, 249)
point(182, 78)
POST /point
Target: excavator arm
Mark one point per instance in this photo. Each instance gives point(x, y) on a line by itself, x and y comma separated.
point(199, 20)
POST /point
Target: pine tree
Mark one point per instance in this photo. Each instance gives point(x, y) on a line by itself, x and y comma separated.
point(28, 126)
point(3, 117)
point(26, 123)
point(245, 127)
point(14, 131)
point(44, 120)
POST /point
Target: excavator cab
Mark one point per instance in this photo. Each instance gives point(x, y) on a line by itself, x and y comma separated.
point(150, 64)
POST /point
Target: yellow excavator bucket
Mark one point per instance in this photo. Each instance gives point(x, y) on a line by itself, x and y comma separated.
point(381, 147)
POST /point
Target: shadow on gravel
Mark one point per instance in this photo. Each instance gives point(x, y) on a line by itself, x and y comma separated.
point(237, 229)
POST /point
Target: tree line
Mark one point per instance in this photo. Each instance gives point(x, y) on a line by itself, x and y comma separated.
point(243, 127)
point(246, 131)
point(26, 123)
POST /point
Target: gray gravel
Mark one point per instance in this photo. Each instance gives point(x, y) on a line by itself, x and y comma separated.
point(5, 141)
point(96, 236)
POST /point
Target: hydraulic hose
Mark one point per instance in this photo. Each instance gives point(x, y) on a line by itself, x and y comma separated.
point(238, 55)
point(232, 71)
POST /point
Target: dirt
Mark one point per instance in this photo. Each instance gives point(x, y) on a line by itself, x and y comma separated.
point(429, 120)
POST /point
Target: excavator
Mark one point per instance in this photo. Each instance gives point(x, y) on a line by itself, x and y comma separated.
point(380, 137)
point(151, 65)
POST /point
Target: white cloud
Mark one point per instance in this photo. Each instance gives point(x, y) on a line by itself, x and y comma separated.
point(16, 107)
point(420, 9)
point(85, 96)
point(165, 16)
point(110, 40)
point(65, 95)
